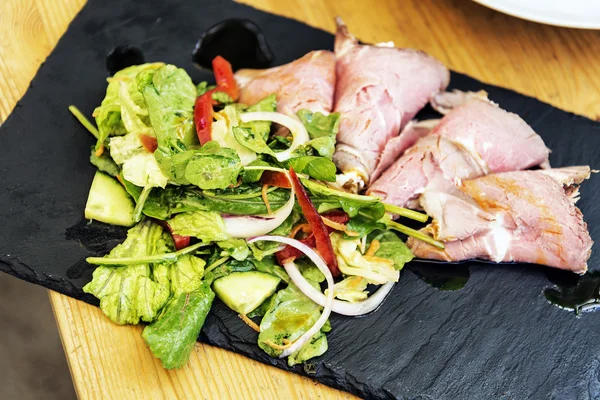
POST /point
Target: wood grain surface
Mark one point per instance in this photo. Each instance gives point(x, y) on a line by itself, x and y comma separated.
point(557, 65)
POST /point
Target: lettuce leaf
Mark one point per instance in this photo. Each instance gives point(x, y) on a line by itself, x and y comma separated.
point(127, 294)
point(172, 337)
point(351, 261)
point(183, 276)
point(236, 248)
point(352, 289)
point(108, 114)
point(138, 166)
point(207, 226)
point(170, 96)
point(291, 314)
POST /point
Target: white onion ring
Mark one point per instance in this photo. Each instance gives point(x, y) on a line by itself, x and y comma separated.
point(246, 226)
point(338, 306)
point(296, 127)
point(291, 268)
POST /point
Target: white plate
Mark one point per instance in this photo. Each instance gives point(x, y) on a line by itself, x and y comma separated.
point(570, 13)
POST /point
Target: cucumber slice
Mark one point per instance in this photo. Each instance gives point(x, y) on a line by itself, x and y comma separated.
point(109, 202)
point(244, 291)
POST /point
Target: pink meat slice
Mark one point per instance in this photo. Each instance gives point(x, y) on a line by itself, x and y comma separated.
point(409, 136)
point(523, 216)
point(306, 83)
point(378, 91)
point(496, 140)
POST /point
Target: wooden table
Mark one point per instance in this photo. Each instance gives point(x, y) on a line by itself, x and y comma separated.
point(560, 66)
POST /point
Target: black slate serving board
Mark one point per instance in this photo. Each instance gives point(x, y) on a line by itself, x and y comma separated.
point(496, 338)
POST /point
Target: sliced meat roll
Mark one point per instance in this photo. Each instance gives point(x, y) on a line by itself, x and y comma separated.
point(306, 83)
point(524, 216)
point(378, 91)
point(498, 141)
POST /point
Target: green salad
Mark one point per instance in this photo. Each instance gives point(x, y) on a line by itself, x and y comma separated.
point(233, 201)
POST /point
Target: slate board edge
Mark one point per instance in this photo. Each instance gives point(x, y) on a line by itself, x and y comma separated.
point(15, 267)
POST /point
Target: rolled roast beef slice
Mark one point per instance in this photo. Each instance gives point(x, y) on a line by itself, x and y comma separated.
point(306, 83)
point(497, 140)
point(378, 91)
point(524, 216)
point(433, 164)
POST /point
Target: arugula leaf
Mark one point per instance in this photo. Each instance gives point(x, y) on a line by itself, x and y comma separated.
point(392, 248)
point(213, 167)
point(236, 248)
point(327, 199)
point(325, 146)
point(172, 337)
point(208, 226)
point(261, 128)
point(364, 225)
point(254, 175)
point(320, 168)
point(243, 200)
point(322, 130)
point(270, 266)
point(251, 140)
point(104, 163)
point(291, 314)
point(182, 276)
point(227, 268)
point(320, 125)
point(127, 294)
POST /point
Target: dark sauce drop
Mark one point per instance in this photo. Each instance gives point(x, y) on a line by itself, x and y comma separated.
point(98, 238)
point(239, 41)
point(444, 276)
point(572, 292)
point(122, 57)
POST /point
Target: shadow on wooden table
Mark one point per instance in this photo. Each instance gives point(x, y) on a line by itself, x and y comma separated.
point(32, 362)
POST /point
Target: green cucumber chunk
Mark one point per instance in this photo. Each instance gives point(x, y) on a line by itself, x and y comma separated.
point(109, 202)
point(244, 291)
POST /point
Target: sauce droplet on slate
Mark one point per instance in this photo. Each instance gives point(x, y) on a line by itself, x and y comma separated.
point(572, 292)
point(446, 276)
point(239, 41)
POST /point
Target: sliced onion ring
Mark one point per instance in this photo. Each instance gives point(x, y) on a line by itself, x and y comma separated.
point(246, 226)
point(296, 127)
point(293, 271)
point(338, 306)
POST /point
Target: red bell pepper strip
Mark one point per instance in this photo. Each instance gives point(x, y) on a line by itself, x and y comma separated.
point(224, 77)
point(277, 179)
point(291, 252)
point(150, 143)
point(181, 242)
point(203, 119)
point(320, 231)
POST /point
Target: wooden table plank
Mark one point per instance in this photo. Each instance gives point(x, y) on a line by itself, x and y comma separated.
point(560, 66)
